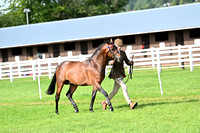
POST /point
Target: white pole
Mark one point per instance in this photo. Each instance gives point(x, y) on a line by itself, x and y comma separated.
point(191, 59)
point(19, 68)
point(49, 68)
point(27, 18)
point(33, 69)
point(39, 86)
point(159, 70)
point(11, 72)
point(27, 10)
point(179, 55)
point(152, 57)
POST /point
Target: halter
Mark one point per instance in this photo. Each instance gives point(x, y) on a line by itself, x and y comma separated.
point(111, 52)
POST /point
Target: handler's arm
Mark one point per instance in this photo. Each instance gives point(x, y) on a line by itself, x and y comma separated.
point(128, 62)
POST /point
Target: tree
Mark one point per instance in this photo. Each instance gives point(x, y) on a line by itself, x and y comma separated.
point(175, 2)
point(51, 10)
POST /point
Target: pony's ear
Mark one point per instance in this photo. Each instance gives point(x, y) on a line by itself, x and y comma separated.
point(110, 41)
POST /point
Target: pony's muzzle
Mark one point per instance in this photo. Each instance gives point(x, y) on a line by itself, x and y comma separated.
point(118, 59)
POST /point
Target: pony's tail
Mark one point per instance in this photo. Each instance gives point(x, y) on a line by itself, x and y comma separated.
point(51, 88)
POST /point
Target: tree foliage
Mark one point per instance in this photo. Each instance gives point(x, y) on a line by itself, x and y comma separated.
point(146, 4)
point(51, 10)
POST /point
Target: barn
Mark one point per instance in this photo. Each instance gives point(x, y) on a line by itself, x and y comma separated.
point(166, 26)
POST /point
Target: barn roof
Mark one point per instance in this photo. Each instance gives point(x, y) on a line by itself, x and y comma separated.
point(119, 24)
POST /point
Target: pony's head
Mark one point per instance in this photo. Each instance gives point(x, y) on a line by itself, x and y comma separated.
point(113, 51)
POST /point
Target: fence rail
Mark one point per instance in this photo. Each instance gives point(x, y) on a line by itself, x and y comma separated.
point(153, 58)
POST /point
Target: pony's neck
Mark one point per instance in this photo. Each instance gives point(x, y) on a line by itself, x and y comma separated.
point(100, 59)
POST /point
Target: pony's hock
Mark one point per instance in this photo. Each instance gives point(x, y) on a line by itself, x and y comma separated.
point(90, 72)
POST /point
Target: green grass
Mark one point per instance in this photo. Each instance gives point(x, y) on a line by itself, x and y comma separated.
point(178, 110)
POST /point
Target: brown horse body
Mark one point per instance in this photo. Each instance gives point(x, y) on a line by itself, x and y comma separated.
point(89, 72)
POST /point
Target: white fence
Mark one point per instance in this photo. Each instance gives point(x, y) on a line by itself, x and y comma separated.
point(153, 58)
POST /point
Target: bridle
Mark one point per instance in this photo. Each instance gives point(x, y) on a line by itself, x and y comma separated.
point(111, 51)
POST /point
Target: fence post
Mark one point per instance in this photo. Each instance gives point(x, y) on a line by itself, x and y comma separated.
point(179, 56)
point(33, 69)
point(49, 67)
point(19, 68)
point(59, 60)
point(39, 66)
point(159, 70)
point(81, 57)
point(69, 53)
point(191, 59)
point(11, 72)
point(106, 71)
point(153, 57)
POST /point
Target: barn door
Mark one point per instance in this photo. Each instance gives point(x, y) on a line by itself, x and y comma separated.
point(56, 50)
point(145, 41)
point(179, 38)
point(84, 48)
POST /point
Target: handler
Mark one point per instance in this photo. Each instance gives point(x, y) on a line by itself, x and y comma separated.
point(118, 73)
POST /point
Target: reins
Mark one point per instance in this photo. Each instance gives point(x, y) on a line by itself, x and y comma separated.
point(112, 52)
point(130, 73)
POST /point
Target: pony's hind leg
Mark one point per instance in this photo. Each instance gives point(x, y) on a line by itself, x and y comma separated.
point(69, 95)
point(94, 92)
point(107, 99)
point(57, 97)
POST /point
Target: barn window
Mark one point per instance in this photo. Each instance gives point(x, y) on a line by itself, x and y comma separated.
point(128, 39)
point(194, 33)
point(69, 46)
point(96, 43)
point(84, 47)
point(56, 50)
point(161, 36)
point(42, 49)
point(16, 51)
point(5, 55)
point(29, 51)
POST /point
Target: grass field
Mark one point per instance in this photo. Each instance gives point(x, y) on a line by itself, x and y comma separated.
point(177, 111)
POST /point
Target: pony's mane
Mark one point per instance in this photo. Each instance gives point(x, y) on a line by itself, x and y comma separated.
point(97, 49)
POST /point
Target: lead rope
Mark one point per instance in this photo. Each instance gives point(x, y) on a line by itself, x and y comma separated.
point(130, 71)
point(130, 74)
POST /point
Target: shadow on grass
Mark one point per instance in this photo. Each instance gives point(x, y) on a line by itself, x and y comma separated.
point(158, 103)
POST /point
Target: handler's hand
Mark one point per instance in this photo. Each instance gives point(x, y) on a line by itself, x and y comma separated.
point(131, 62)
point(111, 62)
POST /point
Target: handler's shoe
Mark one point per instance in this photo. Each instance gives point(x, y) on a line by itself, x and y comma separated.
point(104, 104)
point(133, 105)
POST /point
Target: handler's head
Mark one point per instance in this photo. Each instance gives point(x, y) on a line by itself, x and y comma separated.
point(118, 42)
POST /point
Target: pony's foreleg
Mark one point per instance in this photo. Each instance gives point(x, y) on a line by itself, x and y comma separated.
point(69, 96)
point(107, 99)
point(94, 92)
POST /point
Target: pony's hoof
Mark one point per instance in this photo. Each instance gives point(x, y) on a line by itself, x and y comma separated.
point(57, 112)
point(111, 109)
point(91, 110)
point(76, 111)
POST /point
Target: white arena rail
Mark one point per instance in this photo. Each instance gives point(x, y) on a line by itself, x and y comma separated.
point(153, 58)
